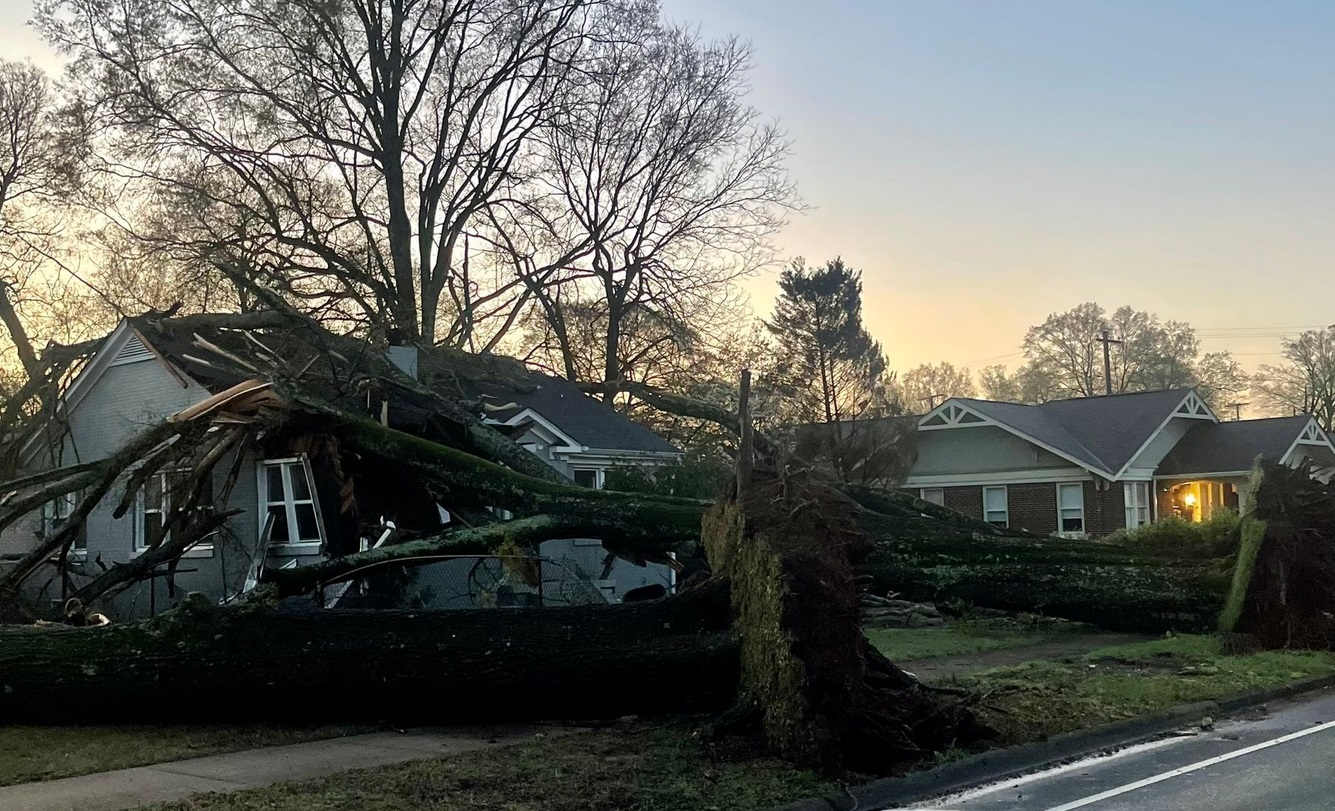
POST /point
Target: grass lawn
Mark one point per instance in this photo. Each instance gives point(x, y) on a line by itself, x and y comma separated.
point(646, 767)
point(1038, 699)
point(961, 637)
point(29, 754)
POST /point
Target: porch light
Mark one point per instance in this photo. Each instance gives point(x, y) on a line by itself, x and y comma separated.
point(1189, 499)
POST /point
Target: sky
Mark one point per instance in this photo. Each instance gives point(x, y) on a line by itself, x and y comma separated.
point(987, 162)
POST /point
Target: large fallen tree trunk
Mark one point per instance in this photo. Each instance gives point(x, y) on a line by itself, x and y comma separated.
point(205, 662)
point(1283, 592)
point(1116, 587)
point(824, 697)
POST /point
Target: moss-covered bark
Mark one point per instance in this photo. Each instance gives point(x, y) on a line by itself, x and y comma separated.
point(631, 534)
point(1284, 590)
point(824, 697)
point(201, 662)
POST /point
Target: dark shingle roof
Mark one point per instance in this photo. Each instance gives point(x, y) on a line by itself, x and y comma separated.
point(589, 422)
point(1231, 446)
point(491, 379)
point(1102, 433)
point(1116, 426)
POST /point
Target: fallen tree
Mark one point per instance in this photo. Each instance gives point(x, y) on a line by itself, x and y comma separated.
point(255, 662)
point(1283, 588)
point(824, 697)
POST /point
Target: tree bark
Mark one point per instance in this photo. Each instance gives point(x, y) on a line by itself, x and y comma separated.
point(18, 333)
point(636, 538)
point(204, 663)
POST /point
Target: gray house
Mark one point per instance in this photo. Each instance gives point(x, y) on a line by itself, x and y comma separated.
point(288, 513)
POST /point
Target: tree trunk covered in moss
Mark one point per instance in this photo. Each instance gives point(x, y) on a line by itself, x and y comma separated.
point(824, 697)
point(1088, 581)
point(1284, 591)
point(201, 662)
point(633, 535)
point(459, 478)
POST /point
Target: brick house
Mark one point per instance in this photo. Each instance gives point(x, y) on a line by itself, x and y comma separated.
point(1093, 465)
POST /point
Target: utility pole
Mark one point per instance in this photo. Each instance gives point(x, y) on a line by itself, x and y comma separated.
point(931, 400)
point(1107, 359)
point(1237, 410)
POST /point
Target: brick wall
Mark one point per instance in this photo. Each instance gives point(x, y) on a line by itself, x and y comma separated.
point(968, 500)
point(1033, 506)
point(1105, 510)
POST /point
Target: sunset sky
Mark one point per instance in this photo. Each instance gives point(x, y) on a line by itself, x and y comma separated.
point(985, 163)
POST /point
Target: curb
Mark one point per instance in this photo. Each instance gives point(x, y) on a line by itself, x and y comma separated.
point(1004, 764)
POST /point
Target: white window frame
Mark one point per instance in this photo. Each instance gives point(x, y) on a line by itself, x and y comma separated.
point(1138, 512)
point(1005, 511)
point(922, 494)
point(599, 474)
point(60, 509)
point(1061, 511)
point(203, 548)
point(290, 502)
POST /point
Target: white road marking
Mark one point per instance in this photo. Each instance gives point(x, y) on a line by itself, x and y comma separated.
point(1159, 778)
point(1075, 765)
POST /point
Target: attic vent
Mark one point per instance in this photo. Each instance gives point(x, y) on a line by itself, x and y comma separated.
point(134, 351)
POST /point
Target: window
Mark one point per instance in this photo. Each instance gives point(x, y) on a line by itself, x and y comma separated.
point(995, 508)
point(935, 495)
point(289, 502)
point(1137, 497)
point(589, 477)
point(155, 505)
point(54, 515)
point(1071, 507)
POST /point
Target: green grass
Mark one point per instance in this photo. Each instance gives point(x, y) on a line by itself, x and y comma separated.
point(914, 644)
point(647, 768)
point(1038, 699)
point(28, 754)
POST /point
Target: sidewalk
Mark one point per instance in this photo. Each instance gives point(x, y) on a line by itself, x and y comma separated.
point(164, 782)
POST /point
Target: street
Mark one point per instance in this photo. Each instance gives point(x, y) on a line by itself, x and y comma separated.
point(1278, 761)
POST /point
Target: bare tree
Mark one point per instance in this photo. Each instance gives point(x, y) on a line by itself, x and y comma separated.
point(1221, 380)
point(341, 149)
point(661, 182)
point(1305, 382)
point(925, 386)
point(1064, 357)
point(40, 157)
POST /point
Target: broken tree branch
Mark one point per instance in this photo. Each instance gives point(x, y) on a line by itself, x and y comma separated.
point(627, 534)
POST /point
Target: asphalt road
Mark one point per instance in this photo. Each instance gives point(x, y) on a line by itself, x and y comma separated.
point(1282, 761)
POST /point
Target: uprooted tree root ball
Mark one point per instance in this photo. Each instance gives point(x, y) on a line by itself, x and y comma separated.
point(1284, 583)
point(824, 697)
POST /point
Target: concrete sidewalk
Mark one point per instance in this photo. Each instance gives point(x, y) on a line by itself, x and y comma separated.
point(164, 782)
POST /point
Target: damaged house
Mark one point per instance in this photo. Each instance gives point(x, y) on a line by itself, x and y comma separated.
point(286, 493)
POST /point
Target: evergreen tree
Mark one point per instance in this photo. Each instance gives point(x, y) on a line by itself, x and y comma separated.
point(825, 358)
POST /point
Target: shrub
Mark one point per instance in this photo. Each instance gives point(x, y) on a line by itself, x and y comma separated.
point(1215, 537)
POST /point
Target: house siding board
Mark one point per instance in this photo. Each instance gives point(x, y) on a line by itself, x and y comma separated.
point(111, 540)
point(1033, 507)
point(981, 449)
point(125, 400)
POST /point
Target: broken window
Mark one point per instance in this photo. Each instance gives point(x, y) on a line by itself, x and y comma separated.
point(155, 506)
point(288, 501)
